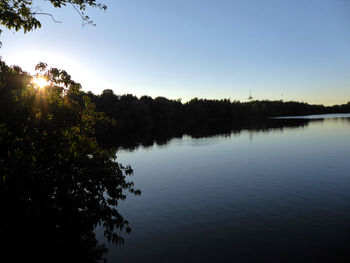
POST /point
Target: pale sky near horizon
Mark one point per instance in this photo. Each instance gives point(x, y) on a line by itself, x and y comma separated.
point(291, 50)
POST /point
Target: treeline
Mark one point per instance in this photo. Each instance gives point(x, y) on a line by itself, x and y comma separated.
point(135, 116)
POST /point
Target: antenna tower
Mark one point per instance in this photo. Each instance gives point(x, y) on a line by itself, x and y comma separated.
point(250, 95)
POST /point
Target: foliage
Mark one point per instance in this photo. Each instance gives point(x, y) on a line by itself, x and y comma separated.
point(136, 117)
point(21, 14)
point(57, 184)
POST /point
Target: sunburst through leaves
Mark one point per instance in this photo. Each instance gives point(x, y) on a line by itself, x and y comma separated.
point(40, 82)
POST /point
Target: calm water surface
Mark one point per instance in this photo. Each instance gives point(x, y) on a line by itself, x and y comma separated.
point(279, 195)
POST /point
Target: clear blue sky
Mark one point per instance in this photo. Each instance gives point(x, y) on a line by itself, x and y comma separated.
point(199, 48)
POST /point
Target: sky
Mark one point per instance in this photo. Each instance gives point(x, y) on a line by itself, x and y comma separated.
point(180, 49)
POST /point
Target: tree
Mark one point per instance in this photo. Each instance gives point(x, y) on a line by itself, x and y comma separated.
point(21, 14)
point(57, 184)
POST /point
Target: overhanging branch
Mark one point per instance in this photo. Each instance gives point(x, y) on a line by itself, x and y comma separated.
point(83, 17)
point(47, 14)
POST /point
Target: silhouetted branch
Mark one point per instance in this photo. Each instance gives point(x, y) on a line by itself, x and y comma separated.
point(47, 14)
point(83, 17)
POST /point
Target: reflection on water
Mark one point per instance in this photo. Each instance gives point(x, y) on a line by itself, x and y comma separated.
point(164, 137)
point(333, 116)
point(276, 192)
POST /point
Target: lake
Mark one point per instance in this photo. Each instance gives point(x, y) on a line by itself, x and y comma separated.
point(277, 194)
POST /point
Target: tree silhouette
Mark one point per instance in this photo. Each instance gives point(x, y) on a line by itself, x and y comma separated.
point(138, 118)
point(57, 184)
point(22, 14)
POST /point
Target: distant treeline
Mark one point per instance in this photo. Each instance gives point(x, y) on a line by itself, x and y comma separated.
point(139, 115)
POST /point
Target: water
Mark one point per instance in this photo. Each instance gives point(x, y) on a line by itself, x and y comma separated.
point(272, 195)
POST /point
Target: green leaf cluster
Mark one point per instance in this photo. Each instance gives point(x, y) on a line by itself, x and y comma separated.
point(22, 14)
point(54, 175)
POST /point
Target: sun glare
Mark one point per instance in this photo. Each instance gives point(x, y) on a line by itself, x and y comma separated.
point(40, 82)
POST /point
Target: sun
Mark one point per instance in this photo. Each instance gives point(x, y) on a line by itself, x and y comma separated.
point(40, 82)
